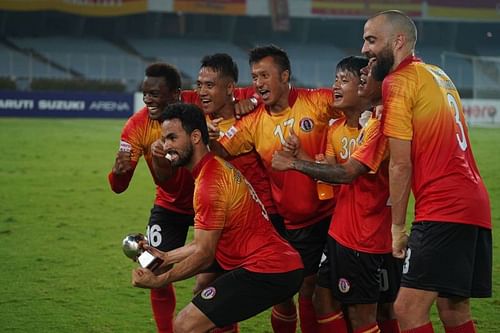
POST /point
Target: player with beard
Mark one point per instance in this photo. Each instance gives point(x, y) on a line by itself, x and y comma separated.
point(287, 110)
point(448, 255)
point(359, 269)
point(260, 266)
point(172, 213)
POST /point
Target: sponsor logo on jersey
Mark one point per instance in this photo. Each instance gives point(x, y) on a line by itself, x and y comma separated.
point(231, 132)
point(208, 293)
point(125, 146)
point(306, 124)
point(344, 285)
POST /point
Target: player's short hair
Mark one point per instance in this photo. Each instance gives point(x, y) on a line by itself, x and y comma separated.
point(221, 63)
point(352, 64)
point(168, 72)
point(279, 57)
point(399, 20)
point(190, 116)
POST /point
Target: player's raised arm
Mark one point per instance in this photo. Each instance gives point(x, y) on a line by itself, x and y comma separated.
point(123, 168)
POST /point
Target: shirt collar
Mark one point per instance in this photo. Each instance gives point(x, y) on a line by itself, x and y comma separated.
point(406, 61)
point(292, 97)
point(201, 163)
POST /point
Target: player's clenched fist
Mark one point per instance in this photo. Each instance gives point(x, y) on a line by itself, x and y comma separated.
point(122, 163)
point(282, 160)
point(399, 240)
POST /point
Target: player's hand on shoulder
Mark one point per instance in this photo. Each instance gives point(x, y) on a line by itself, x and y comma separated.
point(245, 106)
point(122, 163)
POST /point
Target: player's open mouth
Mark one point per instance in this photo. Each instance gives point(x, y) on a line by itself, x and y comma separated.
point(172, 155)
point(153, 109)
point(265, 94)
point(205, 101)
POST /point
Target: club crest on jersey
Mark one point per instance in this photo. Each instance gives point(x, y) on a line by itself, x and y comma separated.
point(208, 293)
point(344, 285)
point(306, 124)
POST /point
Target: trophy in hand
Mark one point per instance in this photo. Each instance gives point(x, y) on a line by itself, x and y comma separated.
point(132, 248)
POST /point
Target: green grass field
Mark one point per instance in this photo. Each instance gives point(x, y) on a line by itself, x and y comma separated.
point(61, 229)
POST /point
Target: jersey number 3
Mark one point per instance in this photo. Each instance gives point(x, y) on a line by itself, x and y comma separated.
point(462, 141)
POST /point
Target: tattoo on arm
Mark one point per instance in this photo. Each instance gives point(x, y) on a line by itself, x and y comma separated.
point(335, 174)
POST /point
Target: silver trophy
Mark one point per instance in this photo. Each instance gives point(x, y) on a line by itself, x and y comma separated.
point(132, 249)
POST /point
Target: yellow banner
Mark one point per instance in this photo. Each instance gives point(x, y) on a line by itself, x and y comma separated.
point(219, 7)
point(481, 11)
point(364, 7)
point(80, 7)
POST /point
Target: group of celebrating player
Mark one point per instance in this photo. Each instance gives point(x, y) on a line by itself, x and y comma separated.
point(250, 184)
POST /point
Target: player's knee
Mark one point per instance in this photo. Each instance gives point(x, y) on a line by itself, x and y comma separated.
point(454, 312)
point(286, 307)
point(400, 308)
point(182, 324)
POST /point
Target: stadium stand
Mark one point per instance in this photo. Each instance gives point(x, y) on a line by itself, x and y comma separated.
point(186, 54)
point(91, 58)
point(118, 49)
point(20, 66)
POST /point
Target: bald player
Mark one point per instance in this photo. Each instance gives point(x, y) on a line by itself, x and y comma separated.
point(448, 255)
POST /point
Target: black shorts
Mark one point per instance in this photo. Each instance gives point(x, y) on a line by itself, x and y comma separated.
point(167, 230)
point(309, 242)
point(357, 277)
point(240, 294)
point(452, 259)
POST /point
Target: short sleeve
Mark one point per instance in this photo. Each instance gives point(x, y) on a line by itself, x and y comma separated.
point(374, 148)
point(238, 139)
point(210, 203)
point(398, 94)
